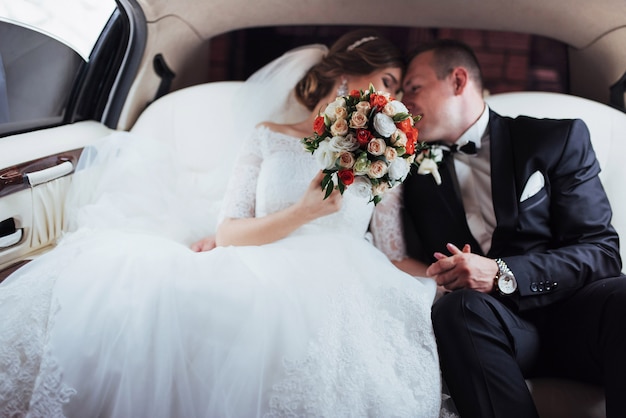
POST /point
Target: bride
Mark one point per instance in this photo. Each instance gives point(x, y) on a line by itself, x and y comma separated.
point(294, 313)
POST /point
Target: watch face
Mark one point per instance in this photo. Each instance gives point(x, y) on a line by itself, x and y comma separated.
point(507, 283)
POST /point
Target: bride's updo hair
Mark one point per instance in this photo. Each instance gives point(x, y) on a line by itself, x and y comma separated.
point(360, 52)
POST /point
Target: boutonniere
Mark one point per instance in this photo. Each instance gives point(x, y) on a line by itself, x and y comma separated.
point(428, 160)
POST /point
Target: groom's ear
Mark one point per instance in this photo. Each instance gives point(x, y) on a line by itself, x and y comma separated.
point(459, 77)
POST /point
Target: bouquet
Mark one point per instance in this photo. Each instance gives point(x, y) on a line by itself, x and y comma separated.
point(366, 139)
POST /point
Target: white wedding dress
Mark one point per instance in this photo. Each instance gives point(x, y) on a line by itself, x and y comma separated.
point(122, 319)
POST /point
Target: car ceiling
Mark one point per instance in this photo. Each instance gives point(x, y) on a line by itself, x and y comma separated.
point(576, 22)
point(179, 31)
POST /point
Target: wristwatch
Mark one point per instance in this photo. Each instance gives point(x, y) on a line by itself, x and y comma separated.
point(504, 281)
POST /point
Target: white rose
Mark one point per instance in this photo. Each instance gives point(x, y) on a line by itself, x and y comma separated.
point(325, 155)
point(376, 146)
point(384, 125)
point(429, 166)
point(340, 127)
point(344, 143)
point(361, 187)
point(399, 169)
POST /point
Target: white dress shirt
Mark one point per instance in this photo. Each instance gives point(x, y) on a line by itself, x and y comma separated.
point(474, 177)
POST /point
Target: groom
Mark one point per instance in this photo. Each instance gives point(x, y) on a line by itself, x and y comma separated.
point(519, 232)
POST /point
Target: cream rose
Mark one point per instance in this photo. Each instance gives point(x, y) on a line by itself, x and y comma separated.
point(346, 160)
point(398, 138)
point(339, 127)
point(380, 189)
point(378, 169)
point(376, 146)
point(358, 120)
point(384, 125)
point(390, 154)
point(363, 107)
point(341, 112)
point(330, 110)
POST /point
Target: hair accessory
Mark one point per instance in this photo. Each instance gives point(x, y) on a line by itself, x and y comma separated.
point(361, 42)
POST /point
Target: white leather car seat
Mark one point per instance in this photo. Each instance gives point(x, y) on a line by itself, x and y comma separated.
point(198, 120)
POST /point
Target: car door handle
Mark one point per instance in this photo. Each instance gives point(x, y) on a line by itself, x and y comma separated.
point(11, 239)
point(9, 235)
point(51, 173)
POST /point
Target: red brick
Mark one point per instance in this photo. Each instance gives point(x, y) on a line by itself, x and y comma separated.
point(516, 67)
point(491, 64)
point(508, 41)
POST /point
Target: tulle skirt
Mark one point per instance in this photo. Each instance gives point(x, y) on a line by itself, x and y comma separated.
point(122, 319)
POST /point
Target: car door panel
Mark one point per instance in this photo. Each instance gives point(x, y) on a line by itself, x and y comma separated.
point(33, 187)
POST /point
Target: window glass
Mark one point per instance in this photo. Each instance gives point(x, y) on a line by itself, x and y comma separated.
point(77, 23)
point(43, 46)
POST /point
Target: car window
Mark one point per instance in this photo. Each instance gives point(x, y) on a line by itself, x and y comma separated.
point(43, 46)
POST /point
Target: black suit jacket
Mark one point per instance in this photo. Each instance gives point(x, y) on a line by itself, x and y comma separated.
point(554, 242)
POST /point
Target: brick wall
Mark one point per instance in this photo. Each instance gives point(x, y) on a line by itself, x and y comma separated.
point(510, 61)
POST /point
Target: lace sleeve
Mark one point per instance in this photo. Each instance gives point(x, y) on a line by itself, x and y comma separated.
point(240, 198)
point(386, 225)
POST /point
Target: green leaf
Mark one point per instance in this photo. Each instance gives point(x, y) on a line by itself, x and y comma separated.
point(399, 117)
point(329, 189)
point(327, 178)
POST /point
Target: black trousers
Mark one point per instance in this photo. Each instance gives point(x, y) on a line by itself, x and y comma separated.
point(487, 350)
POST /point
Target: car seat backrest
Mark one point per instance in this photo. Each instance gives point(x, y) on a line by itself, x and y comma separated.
point(607, 127)
point(204, 127)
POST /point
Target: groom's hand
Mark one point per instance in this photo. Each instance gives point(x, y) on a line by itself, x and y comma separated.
point(463, 269)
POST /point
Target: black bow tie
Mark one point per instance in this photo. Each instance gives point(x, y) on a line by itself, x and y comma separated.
point(469, 148)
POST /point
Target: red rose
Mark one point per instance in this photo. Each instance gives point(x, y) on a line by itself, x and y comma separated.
point(363, 137)
point(377, 101)
point(355, 93)
point(319, 126)
point(346, 176)
point(411, 140)
point(405, 125)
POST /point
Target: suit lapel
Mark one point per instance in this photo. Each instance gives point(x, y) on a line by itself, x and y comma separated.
point(503, 182)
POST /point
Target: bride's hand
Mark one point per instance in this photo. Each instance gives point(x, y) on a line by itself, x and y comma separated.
point(313, 203)
point(205, 244)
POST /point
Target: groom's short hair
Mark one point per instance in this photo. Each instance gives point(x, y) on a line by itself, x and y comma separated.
point(448, 54)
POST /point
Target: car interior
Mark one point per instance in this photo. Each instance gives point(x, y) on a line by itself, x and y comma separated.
point(160, 68)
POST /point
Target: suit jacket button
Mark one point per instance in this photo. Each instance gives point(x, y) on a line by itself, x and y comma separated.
point(540, 286)
point(554, 285)
point(548, 286)
point(533, 286)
